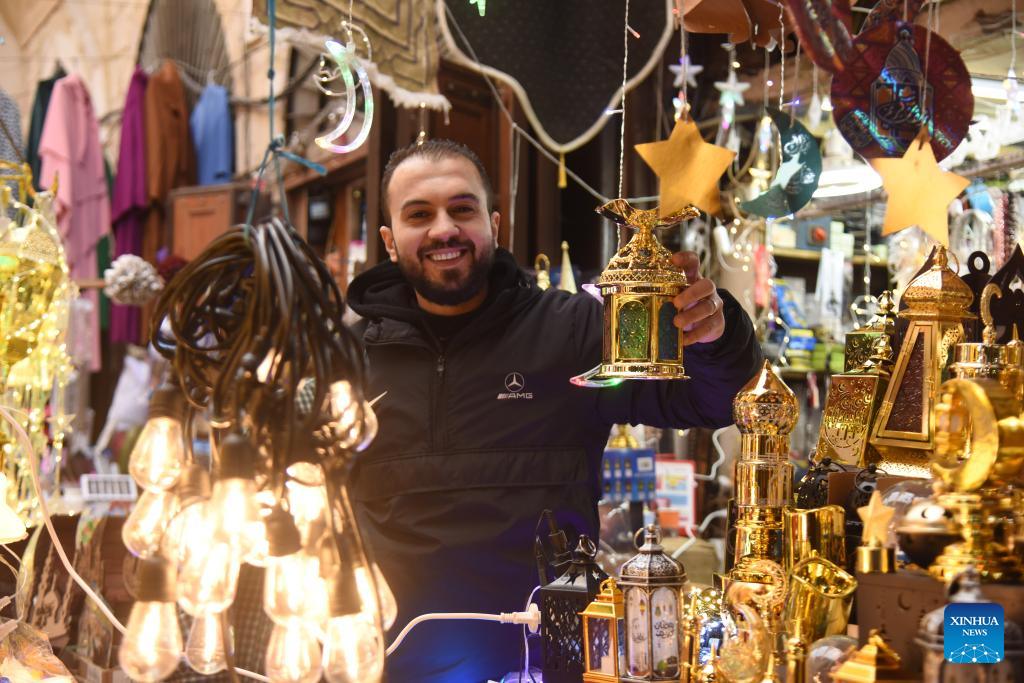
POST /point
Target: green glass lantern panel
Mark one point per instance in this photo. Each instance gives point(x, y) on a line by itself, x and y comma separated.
point(634, 330)
point(668, 333)
point(606, 340)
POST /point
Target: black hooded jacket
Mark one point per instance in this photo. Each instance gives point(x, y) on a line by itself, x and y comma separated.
point(479, 436)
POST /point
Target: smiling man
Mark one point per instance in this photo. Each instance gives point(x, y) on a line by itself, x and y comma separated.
point(480, 429)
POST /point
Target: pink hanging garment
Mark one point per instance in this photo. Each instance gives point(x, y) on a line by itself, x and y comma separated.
point(70, 150)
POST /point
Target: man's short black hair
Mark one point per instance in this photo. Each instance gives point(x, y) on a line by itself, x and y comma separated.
point(435, 150)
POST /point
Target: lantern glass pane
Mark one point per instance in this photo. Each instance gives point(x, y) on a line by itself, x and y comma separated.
point(664, 623)
point(668, 333)
point(606, 338)
point(638, 632)
point(602, 658)
point(634, 330)
point(622, 645)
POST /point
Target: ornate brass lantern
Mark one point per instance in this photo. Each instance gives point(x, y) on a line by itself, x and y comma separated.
point(603, 631)
point(1002, 362)
point(641, 340)
point(937, 304)
point(652, 585)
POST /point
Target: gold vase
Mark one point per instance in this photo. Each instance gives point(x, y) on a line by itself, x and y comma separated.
point(817, 532)
point(820, 598)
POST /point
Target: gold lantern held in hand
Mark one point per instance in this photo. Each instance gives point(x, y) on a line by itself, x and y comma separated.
point(652, 585)
point(603, 632)
point(641, 340)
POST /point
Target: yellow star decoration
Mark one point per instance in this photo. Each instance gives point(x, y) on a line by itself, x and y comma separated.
point(876, 517)
point(919, 190)
point(688, 169)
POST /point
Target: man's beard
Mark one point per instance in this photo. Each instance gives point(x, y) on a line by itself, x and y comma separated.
point(456, 287)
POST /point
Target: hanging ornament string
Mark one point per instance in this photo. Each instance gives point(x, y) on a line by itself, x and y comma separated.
point(622, 100)
point(275, 148)
point(782, 59)
point(795, 102)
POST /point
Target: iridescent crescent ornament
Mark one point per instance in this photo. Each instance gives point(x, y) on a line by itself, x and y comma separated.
point(797, 176)
point(641, 340)
point(345, 56)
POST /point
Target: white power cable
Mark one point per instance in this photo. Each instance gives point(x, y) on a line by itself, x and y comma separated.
point(693, 539)
point(713, 474)
point(26, 444)
point(531, 617)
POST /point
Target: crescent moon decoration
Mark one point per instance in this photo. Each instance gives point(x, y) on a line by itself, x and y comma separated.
point(348, 62)
point(797, 177)
point(881, 98)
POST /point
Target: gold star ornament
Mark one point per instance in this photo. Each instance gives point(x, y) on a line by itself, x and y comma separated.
point(919, 190)
point(876, 517)
point(688, 169)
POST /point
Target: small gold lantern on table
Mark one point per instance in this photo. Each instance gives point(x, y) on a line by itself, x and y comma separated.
point(652, 585)
point(641, 340)
point(603, 633)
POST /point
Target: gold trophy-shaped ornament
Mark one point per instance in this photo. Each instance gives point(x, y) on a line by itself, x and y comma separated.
point(641, 340)
point(1001, 362)
point(979, 450)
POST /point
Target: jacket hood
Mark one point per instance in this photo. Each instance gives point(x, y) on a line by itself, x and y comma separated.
point(383, 292)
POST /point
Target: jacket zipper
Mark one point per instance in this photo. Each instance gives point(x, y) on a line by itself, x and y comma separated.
point(438, 423)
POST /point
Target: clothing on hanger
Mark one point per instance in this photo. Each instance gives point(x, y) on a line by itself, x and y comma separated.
point(69, 149)
point(40, 105)
point(213, 135)
point(170, 156)
point(130, 199)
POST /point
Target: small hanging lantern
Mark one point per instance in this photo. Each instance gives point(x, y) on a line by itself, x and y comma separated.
point(641, 340)
point(603, 629)
point(561, 603)
point(652, 585)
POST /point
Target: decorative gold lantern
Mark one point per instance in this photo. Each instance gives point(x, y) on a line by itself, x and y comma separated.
point(652, 584)
point(860, 343)
point(641, 340)
point(603, 629)
point(854, 396)
point(765, 411)
point(937, 304)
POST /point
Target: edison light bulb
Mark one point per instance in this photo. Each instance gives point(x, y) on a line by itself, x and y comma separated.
point(353, 650)
point(234, 508)
point(151, 647)
point(204, 651)
point(159, 455)
point(383, 599)
point(293, 655)
point(293, 589)
point(307, 496)
point(187, 534)
point(144, 530)
point(208, 580)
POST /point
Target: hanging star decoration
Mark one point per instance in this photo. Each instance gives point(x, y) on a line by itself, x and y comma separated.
point(685, 69)
point(481, 6)
point(732, 90)
point(688, 169)
point(876, 516)
point(919, 190)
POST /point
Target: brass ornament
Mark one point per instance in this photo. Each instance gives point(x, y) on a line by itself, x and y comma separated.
point(542, 267)
point(902, 432)
point(979, 450)
point(861, 342)
point(876, 662)
point(1002, 362)
point(638, 285)
point(765, 411)
point(874, 555)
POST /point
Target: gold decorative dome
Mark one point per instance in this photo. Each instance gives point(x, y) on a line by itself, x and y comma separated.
point(938, 293)
point(766, 405)
point(643, 259)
